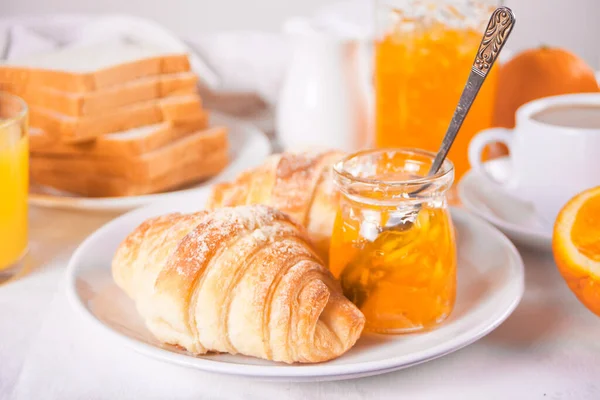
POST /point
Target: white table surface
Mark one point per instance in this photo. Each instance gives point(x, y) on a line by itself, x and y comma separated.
point(548, 349)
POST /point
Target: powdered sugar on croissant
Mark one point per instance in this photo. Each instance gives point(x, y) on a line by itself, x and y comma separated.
point(298, 183)
point(236, 280)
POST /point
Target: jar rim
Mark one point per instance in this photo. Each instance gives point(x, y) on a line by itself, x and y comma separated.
point(446, 170)
point(8, 121)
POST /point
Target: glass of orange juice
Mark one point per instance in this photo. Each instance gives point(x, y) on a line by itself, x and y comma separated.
point(423, 55)
point(14, 182)
point(403, 280)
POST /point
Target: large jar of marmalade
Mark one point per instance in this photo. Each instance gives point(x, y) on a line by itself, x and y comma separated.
point(424, 50)
point(393, 244)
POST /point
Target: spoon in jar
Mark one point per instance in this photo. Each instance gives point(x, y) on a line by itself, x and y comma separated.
point(496, 34)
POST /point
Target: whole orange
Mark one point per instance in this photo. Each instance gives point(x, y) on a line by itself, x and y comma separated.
point(537, 73)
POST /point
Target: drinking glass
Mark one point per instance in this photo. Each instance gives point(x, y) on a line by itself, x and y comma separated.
point(423, 56)
point(403, 280)
point(14, 182)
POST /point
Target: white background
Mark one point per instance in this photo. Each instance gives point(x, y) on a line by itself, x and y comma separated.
point(569, 23)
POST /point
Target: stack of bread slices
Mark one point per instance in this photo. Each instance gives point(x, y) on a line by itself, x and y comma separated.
point(115, 119)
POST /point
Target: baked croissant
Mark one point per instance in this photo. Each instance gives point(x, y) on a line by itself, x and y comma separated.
point(299, 184)
point(236, 280)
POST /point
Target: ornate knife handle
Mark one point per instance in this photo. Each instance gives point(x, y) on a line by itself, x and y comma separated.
point(501, 23)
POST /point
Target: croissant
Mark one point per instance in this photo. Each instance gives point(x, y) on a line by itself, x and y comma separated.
point(236, 280)
point(299, 184)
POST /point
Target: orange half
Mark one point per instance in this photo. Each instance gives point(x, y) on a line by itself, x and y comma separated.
point(576, 247)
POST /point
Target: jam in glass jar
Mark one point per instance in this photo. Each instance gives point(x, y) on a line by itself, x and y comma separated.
point(401, 275)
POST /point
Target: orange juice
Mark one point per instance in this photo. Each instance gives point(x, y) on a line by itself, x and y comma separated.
point(421, 66)
point(14, 180)
point(402, 280)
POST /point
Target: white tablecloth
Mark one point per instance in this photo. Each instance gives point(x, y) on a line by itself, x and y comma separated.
point(548, 349)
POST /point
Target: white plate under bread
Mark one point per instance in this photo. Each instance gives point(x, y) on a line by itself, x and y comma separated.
point(248, 148)
point(490, 285)
point(91, 100)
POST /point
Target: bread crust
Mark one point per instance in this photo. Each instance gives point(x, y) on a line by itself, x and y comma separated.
point(298, 183)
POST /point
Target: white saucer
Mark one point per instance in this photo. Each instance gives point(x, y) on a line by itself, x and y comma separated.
point(249, 147)
point(515, 218)
point(490, 285)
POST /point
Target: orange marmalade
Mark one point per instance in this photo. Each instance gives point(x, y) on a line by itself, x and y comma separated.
point(423, 57)
point(403, 280)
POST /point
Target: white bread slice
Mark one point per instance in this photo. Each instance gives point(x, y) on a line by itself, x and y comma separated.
point(128, 143)
point(92, 66)
point(81, 129)
point(144, 168)
point(183, 175)
point(103, 100)
point(201, 162)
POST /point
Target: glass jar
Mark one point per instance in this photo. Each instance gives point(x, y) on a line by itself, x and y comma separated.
point(403, 280)
point(14, 183)
point(423, 55)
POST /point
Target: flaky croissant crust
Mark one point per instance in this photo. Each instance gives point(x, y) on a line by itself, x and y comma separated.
point(298, 183)
point(236, 280)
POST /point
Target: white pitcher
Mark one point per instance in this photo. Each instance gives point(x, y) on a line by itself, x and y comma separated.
point(323, 101)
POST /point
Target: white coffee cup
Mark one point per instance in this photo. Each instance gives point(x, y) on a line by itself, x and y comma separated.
point(554, 151)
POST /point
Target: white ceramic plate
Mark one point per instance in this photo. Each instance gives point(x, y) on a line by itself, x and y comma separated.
point(249, 147)
point(490, 285)
point(513, 217)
